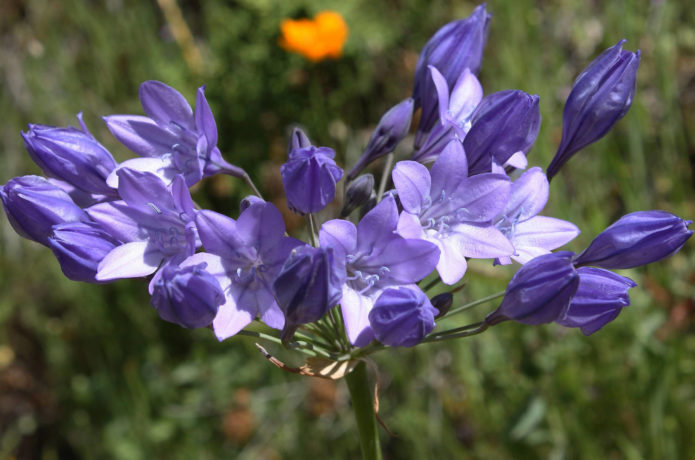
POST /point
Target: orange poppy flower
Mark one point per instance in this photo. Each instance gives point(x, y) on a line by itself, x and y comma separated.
point(315, 39)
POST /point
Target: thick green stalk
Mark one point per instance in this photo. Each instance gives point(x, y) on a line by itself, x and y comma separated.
point(363, 406)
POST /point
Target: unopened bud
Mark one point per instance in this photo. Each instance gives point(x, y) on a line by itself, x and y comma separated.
point(357, 194)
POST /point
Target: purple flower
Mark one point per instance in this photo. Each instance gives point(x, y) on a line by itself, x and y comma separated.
point(638, 238)
point(451, 210)
point(532, 235)
point(154, 222)
point(503, 124)
point(309, 285)
point(402, 317)
point(358, 193)
point(376, 258)
point(456, 46)
point(246, 257)
point(33, 206)
point(455, 110)
point(79, 248)
point(310, 176)
point(172, 139)
point(188, 296)
point(71, 155)
point(601, 95)
point(599, 299)
point(540, 292)
point(392, 128)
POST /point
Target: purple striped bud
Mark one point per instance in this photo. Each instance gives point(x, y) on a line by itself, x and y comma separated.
point(638, 238)
point(453, 48)
point(188, 296)
point(503, 124)
point(392, 128)
point(402, 317)
point(540, 292)
point(71, 155)
point(601, 95)
point(79, 247)
point(33, 206)
point(309, 285)
point(357, 194)
point(599, 299)
point(298, 140)
point(310, 176)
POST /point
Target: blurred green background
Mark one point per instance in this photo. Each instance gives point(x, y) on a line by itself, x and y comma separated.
point(91, 372)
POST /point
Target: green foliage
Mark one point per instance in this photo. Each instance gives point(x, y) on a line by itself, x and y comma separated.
point(91, 372)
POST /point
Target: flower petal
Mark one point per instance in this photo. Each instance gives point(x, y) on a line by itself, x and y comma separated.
point(165, 105)
point(412, 181)
point(141, 134)
point(480, 242)
point(341, 235)
point(355, 308)
point(529, 195)
point(130, 260)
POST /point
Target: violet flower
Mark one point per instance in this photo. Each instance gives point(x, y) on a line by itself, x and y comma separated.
point(600, 298)
point(376, 258)
point(172, 139)
point(456, 46)
point(79, 248)
point(402, 317)
point(455, 111)
point(308, 286)
point(188, 296)
point(540, 292)
point(392, 128)
point(638, 238)
point(310, 176)
point(532, 235)
point(154, 222)
point(71, 155)
point(503, 124)
point(601, 95)
point(33, 206)
point(246, 257)
point(453, 211)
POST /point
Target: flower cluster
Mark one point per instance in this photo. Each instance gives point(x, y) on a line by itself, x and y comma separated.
point(466, 193)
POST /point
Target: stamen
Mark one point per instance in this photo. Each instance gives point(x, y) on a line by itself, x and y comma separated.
point(155, 208)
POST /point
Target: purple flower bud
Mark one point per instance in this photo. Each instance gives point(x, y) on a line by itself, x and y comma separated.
point(402, 317)
point(600, 96)
point(246, 202)
point(309, 177)
point(638, 238)
point(33, 206)
point(298, 140)
point(357, 194)
point(309, 284)
point(503, 124)
point(392, 128)
point(455, 47)
point(540, 292)
point(598, 301)
point(442, 302)
point(188, 296)
point(71, 155)
point(79, 247)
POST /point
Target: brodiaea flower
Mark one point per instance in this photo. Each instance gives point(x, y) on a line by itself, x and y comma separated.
point(315, 39)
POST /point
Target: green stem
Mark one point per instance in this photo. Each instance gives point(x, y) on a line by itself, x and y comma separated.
point(476, 303)
point(385, 176)
point(250, 183)
point(363, 406)
point(439, 338)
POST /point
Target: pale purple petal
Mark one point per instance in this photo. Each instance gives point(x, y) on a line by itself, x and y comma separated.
point(529, 195)
point(164, 105)
point(409, 226)
point(465, 96)
point(377, 228)
point(261, 224)
point(340, 235)
point(230, 319)
point(142, 189)
point(219, 235)
point(182, 197)
point(141, 134)
point(482, 197)
point(481, 242)
point(412, 181)
point(130, 260)
point(517, 160)
point(452, 263)
point(117, 219)
point(450, 169)
point(355, 308)
point(442, 90)
point(408, 260)
point(204, 120)
point(543, 232)
point(268, 309)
